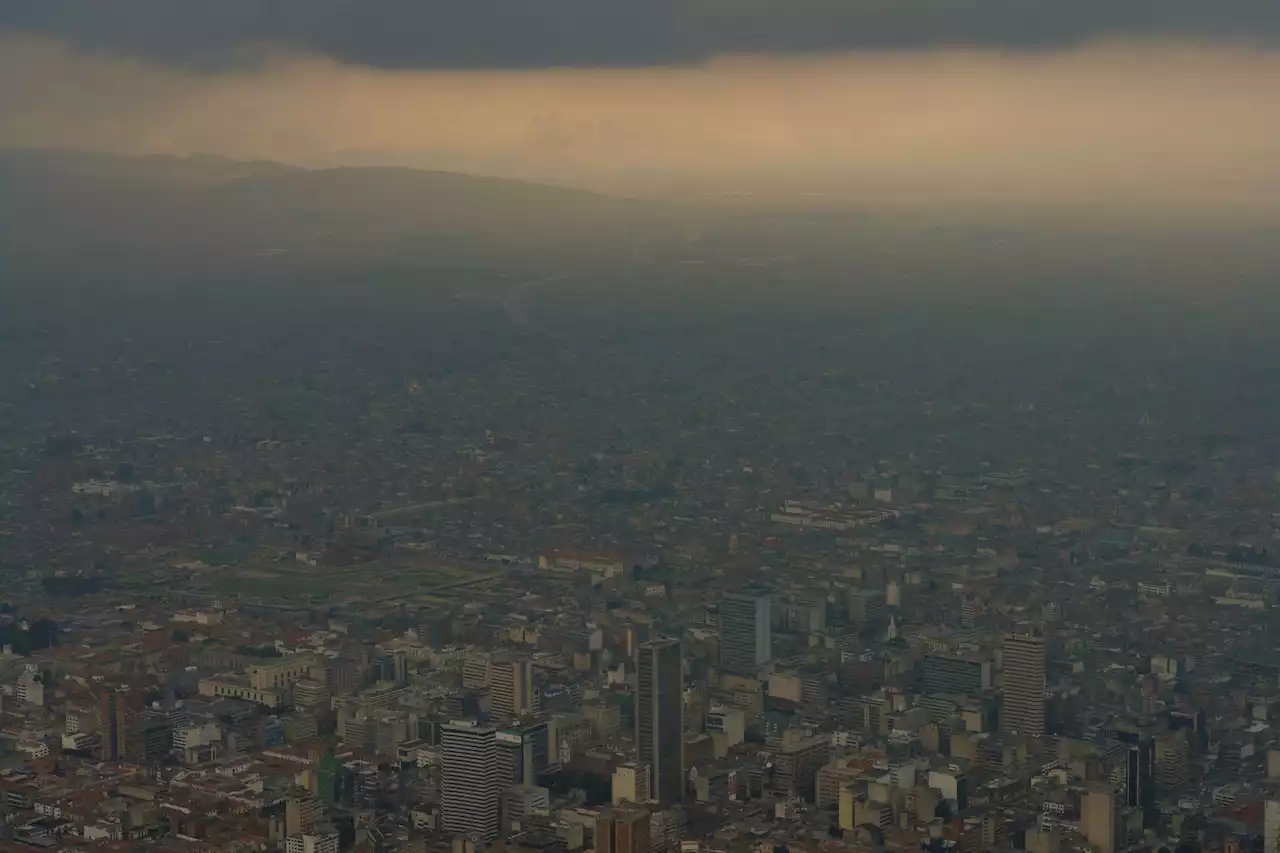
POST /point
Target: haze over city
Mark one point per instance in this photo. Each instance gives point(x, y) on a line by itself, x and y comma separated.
point(1144, 127)
point(713, 426)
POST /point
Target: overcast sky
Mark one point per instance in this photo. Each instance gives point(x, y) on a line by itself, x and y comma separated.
point(533, 33)
point(1151, 107)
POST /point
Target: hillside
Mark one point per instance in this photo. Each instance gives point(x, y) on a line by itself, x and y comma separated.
point(60, 202)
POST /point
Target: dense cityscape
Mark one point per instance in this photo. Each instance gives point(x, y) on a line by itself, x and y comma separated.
point(639, 426)
point(413, 572)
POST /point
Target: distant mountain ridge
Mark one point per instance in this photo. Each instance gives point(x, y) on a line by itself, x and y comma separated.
point(55, 199)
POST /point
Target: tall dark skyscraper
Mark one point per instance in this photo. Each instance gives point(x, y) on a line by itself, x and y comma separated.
point(1022, 711)
point(1138, 770)
point(119, 716)
point(745, 634)
point(525, 752)
point(660, 718)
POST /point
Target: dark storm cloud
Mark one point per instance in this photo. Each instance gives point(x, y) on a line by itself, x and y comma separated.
point(382, 33)
point(533, 33)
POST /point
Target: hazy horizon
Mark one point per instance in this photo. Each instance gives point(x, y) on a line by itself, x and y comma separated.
point(1168, 130)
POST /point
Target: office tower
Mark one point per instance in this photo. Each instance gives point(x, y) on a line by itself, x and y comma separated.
point(525, 753)
point(334, 781)
point(342, 677)
point(868, 612)
point(514, 758)
point(1271, 825)
point(308, 693)
point(623, 831)
point(434, 629)
point(1196, 727)
point(476, 670)
point(382, 669)
point(366, 786)
point(470, 790)
point(109, 714)
point(942, 673)
point(1140, 775)
point(511, 690)
point(660, 718)
point(302, 813)
point(1022, 712)
point(1173, 762)
point(805, 612)
point(1098, 819)
point(796, 763)
point(400, 667)
point(630, 783)
point(1133, 766)
point(119, 720)
point(745, 638)
point(157, 735)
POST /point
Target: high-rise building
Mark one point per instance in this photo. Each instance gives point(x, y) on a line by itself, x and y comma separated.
point(1173, 762)
point(1271, 825)
point(119, 720)
point(868, 611)
point(475, 670)
point(333, 781)
point(660, 718)
point(805, 613)
point(470, 790)
point(525, 752)
point(157, 734)
point(342, 676)
point(746, 641)
point(1099, 819)
point(832, 777)
point(381, 669)
point(1023, 686)
point(308, 693)
point(302, 813)
point(401, 658)
point(1133, 770)
point(511, 688)
point(943, 673)
point(623, 831)
point(434, 629)
point(630, 783)
point(515, 758)
point(796, 763)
